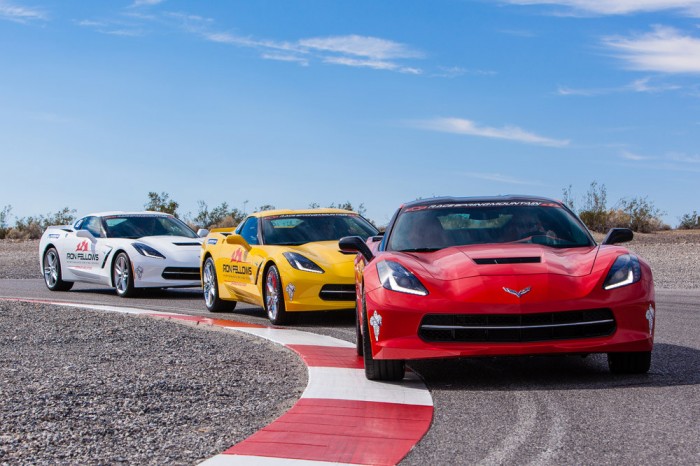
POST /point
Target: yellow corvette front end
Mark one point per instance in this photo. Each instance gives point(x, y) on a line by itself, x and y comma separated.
point(284, 261)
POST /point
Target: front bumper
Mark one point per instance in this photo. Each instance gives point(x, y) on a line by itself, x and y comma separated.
point(400, 317)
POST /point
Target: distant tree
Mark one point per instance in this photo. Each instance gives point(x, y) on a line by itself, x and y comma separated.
point(221, 216)
point(568, 198)
point(161, 203)
point(347, 205)
point(595, 211)
point(4, 219)
point(689, 221)
point(265, 207)
point(33, 227)
point(314, 205)
point(643, 215)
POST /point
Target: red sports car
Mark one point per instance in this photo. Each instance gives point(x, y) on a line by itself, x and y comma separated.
point(513, 275)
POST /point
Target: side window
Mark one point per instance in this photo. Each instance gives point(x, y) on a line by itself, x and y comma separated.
point(93, 225)
point(250, 230)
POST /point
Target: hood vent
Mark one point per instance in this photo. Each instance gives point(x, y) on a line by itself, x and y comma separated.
point(187, 244)
point(507, 260)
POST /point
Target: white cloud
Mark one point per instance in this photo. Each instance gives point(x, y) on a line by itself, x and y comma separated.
point(500, 178)
point(618, 7)
point(140, 3)
point(20, 14)
point(644, 85)
point(468, 127)
point(285, 57)
point(664, 50)
point(635, 157)
point(373, 48)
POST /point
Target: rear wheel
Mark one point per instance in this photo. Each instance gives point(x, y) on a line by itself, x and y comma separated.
point(629, 363)
point(52, 272)
point(379, 369)
point(274, 299)
point(211, 289)
point(122, 277)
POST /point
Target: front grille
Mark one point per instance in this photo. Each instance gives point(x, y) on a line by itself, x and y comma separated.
point(181, 273)
point(505, 328)
point(337, 293)
point(507, 260)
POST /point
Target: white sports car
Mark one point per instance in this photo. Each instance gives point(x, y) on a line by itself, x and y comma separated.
point(124, 250)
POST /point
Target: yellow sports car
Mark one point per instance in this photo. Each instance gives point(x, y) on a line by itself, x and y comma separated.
point(283, 260)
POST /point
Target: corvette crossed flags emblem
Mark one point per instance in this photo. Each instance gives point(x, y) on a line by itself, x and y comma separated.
point(517, 293)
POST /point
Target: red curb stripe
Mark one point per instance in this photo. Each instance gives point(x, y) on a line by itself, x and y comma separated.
point(209, 321)
point(329, 356)
point(359, 432)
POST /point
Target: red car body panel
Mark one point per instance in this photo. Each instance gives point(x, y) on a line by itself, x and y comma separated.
point(561, 280)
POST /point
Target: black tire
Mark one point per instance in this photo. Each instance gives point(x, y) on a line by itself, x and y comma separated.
point(123, 276)
point(629, 363)
point(52, 271)
point(273, 297)
point(379, 369)
point(210, 287)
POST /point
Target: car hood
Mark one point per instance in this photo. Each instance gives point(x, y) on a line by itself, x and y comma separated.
point(503, 259)
point(171, 245)
point(323, 252)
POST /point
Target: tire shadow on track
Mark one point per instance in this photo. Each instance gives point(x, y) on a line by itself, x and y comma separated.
point(672, 365)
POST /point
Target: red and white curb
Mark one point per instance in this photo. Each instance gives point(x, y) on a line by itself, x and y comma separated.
point(341, 418)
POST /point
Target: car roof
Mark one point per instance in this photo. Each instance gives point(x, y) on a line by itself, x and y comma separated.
point(121, 212)
point(481, 199)
point(272, 213)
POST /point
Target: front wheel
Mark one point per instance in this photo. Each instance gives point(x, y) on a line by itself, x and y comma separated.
point(122, 277)
point(629, 363)
point(52, 272)
point(379, 369)
point(274, 299)
point(211, 289)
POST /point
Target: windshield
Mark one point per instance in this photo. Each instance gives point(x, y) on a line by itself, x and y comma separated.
point(138, 226)
point(428, 228)
point(290, 229)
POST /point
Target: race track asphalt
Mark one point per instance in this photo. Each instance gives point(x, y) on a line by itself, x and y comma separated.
point(518, 410)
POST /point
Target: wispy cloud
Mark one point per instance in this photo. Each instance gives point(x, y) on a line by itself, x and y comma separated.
point(618, 7)
point(112, 28)
point(500, 178)
point(665, 50)
point(20, 14)
point(643, 85)
point(142, 3)
point(627, 155)
point(470, 128)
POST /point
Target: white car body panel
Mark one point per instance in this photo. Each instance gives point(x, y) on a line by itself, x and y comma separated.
point(90, 259)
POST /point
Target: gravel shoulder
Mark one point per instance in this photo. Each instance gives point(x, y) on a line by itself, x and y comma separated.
point(82, 387)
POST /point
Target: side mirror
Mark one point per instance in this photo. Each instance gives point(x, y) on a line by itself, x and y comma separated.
point(618, 235)
point(354, 245)
point(202, 232)
point(85, 234)
point(238, 240)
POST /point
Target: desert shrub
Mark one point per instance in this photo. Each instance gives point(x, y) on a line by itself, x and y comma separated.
point(644, 216)
point(689, 221)
point(595, 211)
point(33, 227)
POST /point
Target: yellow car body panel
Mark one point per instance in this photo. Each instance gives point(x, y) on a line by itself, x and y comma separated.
point(241, 269)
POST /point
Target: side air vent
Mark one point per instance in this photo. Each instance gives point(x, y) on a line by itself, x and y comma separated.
point(508, 260)
point(187, 244)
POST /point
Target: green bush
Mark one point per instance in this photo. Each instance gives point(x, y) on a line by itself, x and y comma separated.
point(689, 221)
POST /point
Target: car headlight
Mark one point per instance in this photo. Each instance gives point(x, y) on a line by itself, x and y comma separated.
point(300, 262)
point(396, 277)
point(146, 250)
point(624, 271)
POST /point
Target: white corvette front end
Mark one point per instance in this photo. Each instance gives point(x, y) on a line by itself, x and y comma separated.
point(127, 251)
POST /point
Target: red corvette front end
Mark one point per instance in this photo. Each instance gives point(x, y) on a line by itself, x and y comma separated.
point(476, 315)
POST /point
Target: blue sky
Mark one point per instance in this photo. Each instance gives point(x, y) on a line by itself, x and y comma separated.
point(377, 102)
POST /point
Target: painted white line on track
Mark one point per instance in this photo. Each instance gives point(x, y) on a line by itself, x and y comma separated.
point(288, 337)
